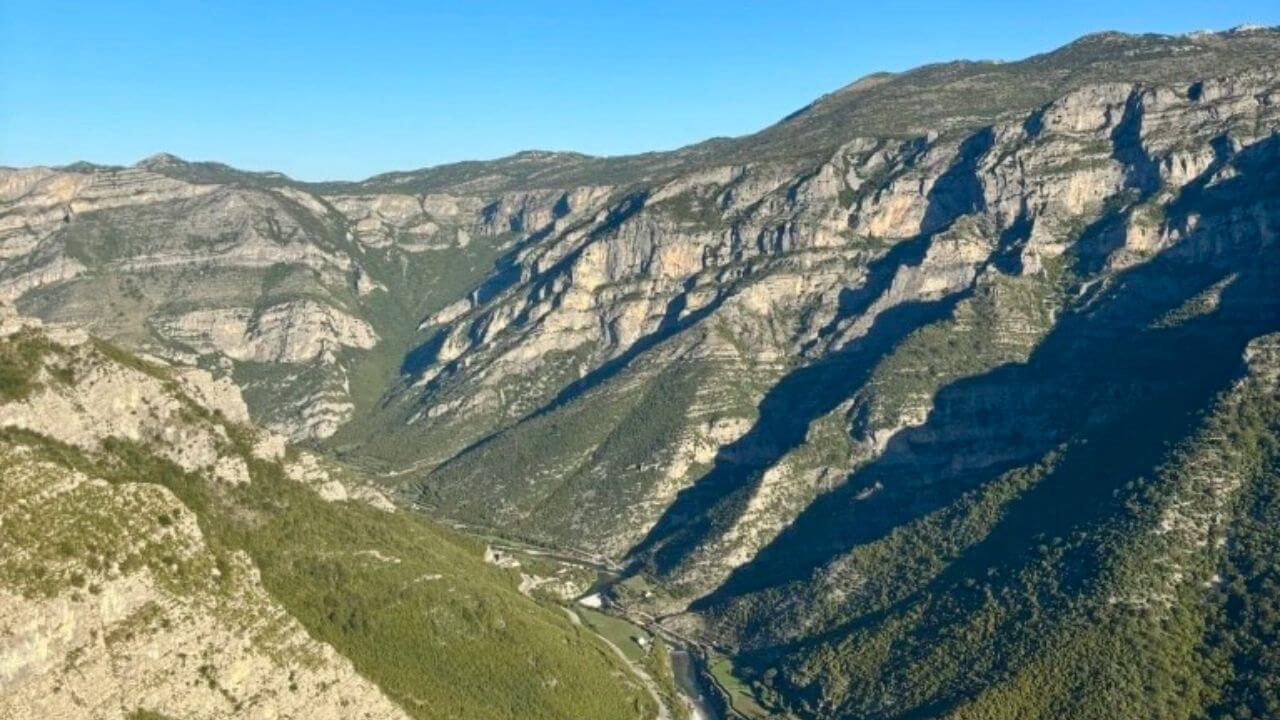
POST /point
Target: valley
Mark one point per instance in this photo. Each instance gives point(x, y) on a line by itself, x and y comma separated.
point(954, 394)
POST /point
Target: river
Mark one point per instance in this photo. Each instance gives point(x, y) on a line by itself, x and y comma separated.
point(684, 666)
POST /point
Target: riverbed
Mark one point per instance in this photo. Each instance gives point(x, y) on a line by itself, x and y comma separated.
point(688, 677)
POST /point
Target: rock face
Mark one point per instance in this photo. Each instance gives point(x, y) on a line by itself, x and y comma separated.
point(271, 282)
point(105, 400)
point(196, 638)
point(293, 332)
point(111, 601)
point(805, 383)
point(773, 282)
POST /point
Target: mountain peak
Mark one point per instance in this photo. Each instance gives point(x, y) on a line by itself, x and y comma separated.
point(161, 160)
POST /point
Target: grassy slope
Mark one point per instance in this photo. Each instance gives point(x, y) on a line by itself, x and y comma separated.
point(464, 645)
point(412, 605)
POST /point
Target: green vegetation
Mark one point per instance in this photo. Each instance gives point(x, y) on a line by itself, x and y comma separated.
point(83, 530)
point(413, 606)
point(464, 645)
point(22, 358)
point(1201, 303)
point(1082, 587)
point(653, 656)
point(657, 662)
point(694, 209)
point(621, 633)
point(738, 694)
point(119, 355)
point(1244, 631)
point(603, 448)
point(1004, 320)
point(1108, 549)
point(418, 285)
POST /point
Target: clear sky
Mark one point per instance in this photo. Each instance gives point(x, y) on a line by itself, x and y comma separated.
point(329, 90)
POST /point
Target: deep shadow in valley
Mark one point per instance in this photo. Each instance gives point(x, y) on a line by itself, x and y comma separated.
point(705, 509)
point(1099, 362)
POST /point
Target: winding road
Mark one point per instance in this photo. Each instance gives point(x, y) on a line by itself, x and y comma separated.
point(664, 713)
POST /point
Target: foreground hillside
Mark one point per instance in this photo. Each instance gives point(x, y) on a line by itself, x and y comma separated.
point(157, 555)
point(953, 394)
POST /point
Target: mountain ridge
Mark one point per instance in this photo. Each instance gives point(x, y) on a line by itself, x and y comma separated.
point(899, 404)
point(1098, 38)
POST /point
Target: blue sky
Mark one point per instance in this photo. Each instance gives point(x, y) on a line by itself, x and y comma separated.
point(327, 90)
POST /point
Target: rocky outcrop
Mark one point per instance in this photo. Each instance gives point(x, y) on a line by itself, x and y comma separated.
point(35, 202)
point(221, 265)
point(85, 397)
point(111, 600)
point(140, 577)
point(84, 394)
point(823, 254)
point(157, 621)
point(293, 332)
point(333, 483)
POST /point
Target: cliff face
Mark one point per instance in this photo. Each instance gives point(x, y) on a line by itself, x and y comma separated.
point(153, 619)
point(805, 383)
point(755, 333)
point(248, 275)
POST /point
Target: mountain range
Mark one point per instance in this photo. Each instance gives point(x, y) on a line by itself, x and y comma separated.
point(952, 394)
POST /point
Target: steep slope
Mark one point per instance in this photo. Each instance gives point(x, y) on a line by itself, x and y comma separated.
point(703, 331)
point(1089, 584)
point(309, 303)
point(765, 407)
point(158, 555)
